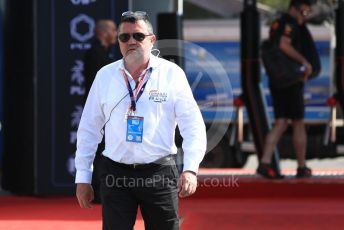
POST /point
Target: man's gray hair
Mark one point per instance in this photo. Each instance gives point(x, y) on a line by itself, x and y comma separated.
point(134, 19)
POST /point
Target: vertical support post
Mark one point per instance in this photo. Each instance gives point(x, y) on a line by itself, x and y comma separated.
point(250, 77)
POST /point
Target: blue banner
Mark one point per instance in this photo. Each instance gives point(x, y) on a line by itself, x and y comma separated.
point(228, 54)
point(64, 32)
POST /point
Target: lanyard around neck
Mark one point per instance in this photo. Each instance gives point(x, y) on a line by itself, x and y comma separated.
point(139, 88)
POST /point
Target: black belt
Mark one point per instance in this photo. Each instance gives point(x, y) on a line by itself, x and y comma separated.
point(160, 161)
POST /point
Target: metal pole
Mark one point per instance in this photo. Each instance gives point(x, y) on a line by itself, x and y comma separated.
point(250, 77)
point(178, 7)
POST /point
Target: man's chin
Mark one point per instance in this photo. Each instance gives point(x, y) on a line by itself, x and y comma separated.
point(133, 56)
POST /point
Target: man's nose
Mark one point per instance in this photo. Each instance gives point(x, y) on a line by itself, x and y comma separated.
point(132, 40)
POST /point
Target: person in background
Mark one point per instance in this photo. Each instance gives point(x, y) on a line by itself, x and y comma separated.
point(139, 100)
point(99, 54)
point(288, 102)
point(95, 58)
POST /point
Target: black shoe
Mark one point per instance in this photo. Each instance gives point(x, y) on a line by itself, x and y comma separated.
point(269, 172)
point(303, 172)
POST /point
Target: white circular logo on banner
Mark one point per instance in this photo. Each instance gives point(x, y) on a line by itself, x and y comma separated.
point(206, 72)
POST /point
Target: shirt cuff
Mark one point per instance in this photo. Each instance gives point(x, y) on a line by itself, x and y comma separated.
point(190, 166)
point(83, 177)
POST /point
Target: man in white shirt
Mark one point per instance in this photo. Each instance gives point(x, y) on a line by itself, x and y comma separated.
point(139, 100)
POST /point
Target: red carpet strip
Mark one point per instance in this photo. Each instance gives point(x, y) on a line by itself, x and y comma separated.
point(63, 213)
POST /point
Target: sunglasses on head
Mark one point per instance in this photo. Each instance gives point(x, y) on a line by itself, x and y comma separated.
point(124, 37)
point(136, 14)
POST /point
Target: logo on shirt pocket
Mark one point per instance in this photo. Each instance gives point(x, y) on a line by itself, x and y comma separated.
point(156, 96)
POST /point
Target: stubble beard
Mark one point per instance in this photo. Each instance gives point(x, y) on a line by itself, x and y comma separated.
point(134, 57)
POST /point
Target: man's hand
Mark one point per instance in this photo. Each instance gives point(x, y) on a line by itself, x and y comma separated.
point(85, 194)
point(308, 70)
point(287, 47)
point(187, 184)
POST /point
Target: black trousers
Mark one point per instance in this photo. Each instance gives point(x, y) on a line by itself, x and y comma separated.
point(154, 189)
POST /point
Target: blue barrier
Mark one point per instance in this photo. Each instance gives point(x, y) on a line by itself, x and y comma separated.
point(200, 73)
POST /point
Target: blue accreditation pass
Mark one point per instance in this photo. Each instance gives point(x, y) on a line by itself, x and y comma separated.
point(134, 129)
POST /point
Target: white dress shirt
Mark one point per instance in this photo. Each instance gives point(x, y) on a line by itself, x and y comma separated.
point(167, 100)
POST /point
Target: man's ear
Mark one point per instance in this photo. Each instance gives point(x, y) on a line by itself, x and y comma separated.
point(153, 39)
